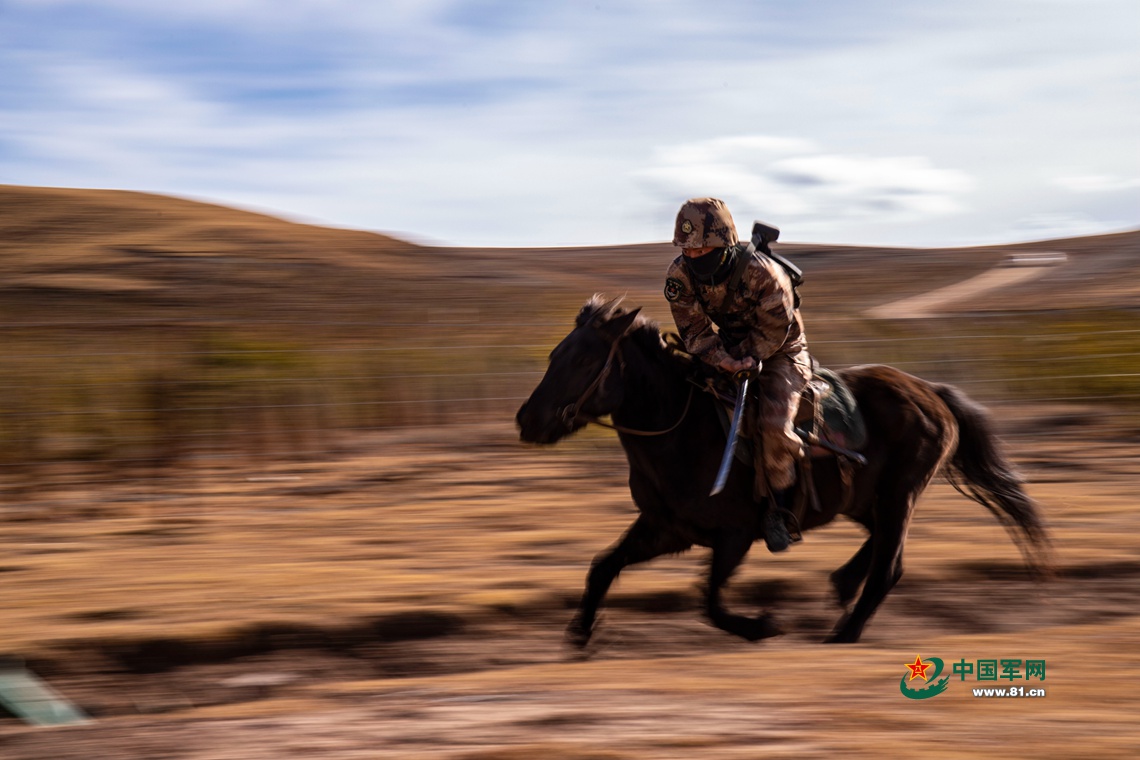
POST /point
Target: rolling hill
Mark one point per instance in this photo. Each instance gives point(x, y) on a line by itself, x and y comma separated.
point(207, 259)
point(131, 318)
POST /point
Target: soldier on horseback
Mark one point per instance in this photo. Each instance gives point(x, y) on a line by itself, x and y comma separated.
point(750, 299)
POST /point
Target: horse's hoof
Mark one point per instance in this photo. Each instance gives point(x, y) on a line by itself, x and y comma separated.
point(763, 627)
point(578, 635)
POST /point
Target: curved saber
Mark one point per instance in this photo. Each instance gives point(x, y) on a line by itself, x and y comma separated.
point(733, 434)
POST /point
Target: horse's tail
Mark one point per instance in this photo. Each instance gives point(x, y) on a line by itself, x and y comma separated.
point(979, 470)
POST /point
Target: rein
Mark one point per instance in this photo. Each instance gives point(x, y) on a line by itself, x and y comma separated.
point(631, 431)
point(570, 413)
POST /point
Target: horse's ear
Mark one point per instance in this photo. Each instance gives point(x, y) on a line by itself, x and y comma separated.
point(619, 324)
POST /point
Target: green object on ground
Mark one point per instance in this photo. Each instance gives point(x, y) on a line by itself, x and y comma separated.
point(28, 698)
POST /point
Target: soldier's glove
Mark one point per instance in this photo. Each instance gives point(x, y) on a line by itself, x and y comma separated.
point(740, 368)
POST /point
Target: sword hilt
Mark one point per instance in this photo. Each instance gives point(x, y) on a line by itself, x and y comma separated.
point(741, 375)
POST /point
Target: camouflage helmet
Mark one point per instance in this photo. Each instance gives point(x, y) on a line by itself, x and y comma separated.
point(704, 223)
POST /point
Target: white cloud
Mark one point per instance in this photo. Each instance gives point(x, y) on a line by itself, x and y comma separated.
point(264, 12)
point(1097, 183)
point(855, 122)
point(793, 179)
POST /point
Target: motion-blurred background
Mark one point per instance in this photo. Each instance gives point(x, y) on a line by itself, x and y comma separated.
point(143, 331)
point(260, 489)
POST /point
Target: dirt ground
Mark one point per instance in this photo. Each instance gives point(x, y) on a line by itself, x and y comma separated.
point(406, 599)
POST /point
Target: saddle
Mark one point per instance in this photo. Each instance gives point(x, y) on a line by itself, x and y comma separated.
point(828, 420)
point(828, 414)
point(828, 411)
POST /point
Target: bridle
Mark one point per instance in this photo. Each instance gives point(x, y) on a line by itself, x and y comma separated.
point(569, 414)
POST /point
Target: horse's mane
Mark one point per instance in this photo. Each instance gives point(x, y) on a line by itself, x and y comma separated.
point(597, 311)
point(645, 331)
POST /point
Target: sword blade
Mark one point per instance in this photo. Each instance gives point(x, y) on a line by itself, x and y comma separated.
point(730, 446)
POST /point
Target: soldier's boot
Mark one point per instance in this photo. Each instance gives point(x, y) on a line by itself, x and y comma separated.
point(777, 520)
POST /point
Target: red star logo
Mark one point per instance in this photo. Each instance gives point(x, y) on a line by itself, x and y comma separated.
point(919, 668)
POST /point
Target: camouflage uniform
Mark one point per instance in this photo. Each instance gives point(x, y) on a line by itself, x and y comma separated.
point(759, 320)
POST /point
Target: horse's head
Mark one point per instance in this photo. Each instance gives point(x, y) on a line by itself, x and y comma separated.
point(583, 379)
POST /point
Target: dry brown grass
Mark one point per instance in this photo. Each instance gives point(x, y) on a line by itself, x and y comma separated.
point(151, 329)
point(406, 600)
point(281, 584)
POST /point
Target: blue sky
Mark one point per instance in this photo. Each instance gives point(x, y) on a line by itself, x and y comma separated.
point(501, 122)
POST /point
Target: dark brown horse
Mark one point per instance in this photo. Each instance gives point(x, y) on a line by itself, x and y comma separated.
point(617, 363)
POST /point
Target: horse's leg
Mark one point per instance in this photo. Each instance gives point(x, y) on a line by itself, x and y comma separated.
point(894, 504)
point(885, 569)
point(728, 551)
point(847, 579)
point(913, 463)
point(640, 543)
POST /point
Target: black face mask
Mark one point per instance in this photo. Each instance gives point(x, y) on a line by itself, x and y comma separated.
point(712, 267)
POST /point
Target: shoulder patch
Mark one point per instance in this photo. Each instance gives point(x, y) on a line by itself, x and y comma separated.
point(673, 289)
